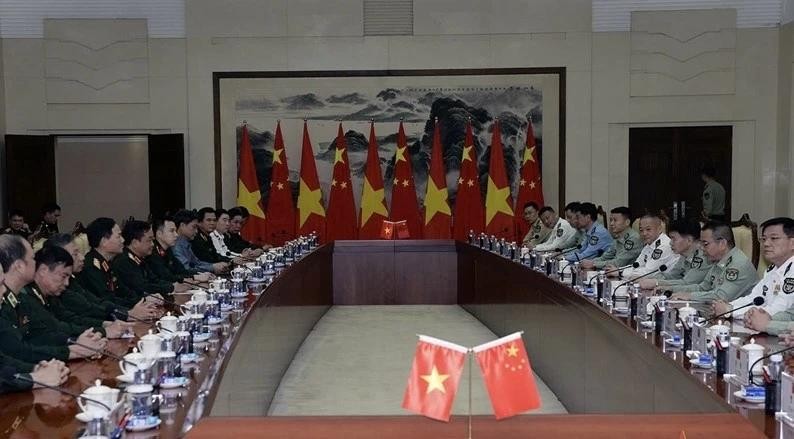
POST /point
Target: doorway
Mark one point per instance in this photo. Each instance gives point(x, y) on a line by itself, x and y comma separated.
point(665, 165)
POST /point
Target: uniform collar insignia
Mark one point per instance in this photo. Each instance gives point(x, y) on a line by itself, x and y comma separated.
point(134, 257)
point(38, 295)
point(11, 298)
point(658, 242)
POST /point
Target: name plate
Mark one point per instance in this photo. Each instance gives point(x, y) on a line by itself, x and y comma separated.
point(699, 339)
point(670, 318)
point(742, 367)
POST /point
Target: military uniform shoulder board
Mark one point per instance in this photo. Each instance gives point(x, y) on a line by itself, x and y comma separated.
point(658, 242)
point(134, 258)
point(105, 266)
point(770, 268)
point(12, 300)
point(593, 240)
point(731, 274)
point(97, 264)
point(559, 232)
point(697, 262)
point(788, 285)
point(629, 244)
point(656, 254)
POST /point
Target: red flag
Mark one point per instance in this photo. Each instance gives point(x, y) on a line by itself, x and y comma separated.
point(404, 205)
point(373, 200)
point(438, 216)
point(341, 223)
point(280, 207)
point(529, 187)
point(434, 378)
point(248, 194)
point(498, 209)
point(469, 213)
point(508, 376)
point(311, 213)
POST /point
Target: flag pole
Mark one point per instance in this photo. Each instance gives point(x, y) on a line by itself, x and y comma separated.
point(470, 355)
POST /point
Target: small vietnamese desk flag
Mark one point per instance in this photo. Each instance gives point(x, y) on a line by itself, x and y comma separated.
point(311, 213)
point(508, 376)
point(434, 379)
point(248, 194)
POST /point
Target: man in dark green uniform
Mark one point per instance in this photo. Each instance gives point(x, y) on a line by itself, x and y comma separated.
point(237, 218)
point(162, 262)
point(202, 244)
point(16, 225)
point(16, 257)
point(131, 267)
point(104, 238)
point(50, 213)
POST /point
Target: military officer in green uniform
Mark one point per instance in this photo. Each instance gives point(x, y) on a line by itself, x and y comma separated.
point(130, 266)
point(202, 244)
point(236, 243)
point(713, 197)
point(733, 274)
point(162, 263)
point(16, 258)
point(626, 245)
point(692, 265)
point(572, 218)
point(537, 232)
point(16, 225)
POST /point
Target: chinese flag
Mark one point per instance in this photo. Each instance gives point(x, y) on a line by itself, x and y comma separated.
point(508, 376)
point(498, 210)
point(248, 194)
point(373, 200)
point(341, 223)
point(280, 208)
point(434, 378)
point(529, 187)
point(438, 216)
point(469, 213)
point(404, 205)
point(311, 213)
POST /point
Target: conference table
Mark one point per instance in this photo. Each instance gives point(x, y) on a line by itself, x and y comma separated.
point(615, 378)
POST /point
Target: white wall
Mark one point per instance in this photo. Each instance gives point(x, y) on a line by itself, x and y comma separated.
point(751, 89)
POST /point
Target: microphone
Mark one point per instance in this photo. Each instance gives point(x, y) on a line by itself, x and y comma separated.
point(72, 340)
point(750, 370)
point(662, 268)
point(614, 270)
point(561, 252)
point(758, 301)
point(118, 313)
point(23, 378)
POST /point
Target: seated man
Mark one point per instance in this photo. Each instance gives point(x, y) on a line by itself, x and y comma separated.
point(162, 262)
point(202, 244)
point(572, 218)
point(777, 287)
point(51, 373)
point(50, 213)
point(186, 227)
point(130, 266)
point(596, 237)
point(624, 248)
point(562, 235)
point(104, 237)
point(537, 232)
point(656, 252)
point(238, 216)
point(692, 264)
point(16, 258)
point(16, 225)
point(732, 275)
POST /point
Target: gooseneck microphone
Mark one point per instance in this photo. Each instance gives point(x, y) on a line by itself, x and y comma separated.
point(24, 379)
point(608, 272)
point(118, 313)
point(758, 301)
point(72, 340)
point(662, 268)
point(560, 252)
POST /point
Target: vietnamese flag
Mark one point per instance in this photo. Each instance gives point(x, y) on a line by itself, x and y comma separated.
point(438, 216)
point(434, 379)
point(404, 205)
point(311, 213)
point(508, 376)
point(529, 187)
point(248, 194)
point(373, 199)
point(498, 210)
point(469, 213)
point(280, 208)
point(341, 220)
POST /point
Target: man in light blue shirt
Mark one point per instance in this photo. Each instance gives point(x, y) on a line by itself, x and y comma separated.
point(186, 226)
point(596, 237)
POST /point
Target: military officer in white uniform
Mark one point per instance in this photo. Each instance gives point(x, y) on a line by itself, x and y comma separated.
point(657, 250)
point(562, 235)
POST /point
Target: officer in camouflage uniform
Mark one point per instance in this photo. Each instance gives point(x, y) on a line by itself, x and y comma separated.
point(692, 265)
point(733, 274)
point(626, 245)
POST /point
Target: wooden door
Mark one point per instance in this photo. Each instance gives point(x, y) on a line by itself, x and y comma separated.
point(166, 173)
point(665, 166)
point(30, 175)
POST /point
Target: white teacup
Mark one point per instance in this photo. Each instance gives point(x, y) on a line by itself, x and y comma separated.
point(149, 344)
point(168, 323)
point(133, 362)
point(98, 400)
point(198, 296)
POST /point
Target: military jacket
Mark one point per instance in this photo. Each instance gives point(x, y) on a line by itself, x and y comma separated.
point(777, 289)
point(163, 265)
point(133, 272)
point(14, 330)
point(733, 276)
point(44, 324)
point(98, 277)
point(688, 270)
point(204, 249)
point(624, 250)
point(713, 199)
point(537, 234)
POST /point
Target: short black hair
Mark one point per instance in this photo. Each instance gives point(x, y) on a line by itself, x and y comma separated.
point(531, 204)
point(546, 209)
point(59, 240)
point(53, 256)
point(623, 210)
point(786, 222)
point(203, 212)
point(16, 212)
point(572, 206)
point(49, 208)
point(184, 216)
point(159, 223)
point(708, 171)
point(685, 227)
point(721, 230)
point(221, 211)
point(12, 249)
point(235, 211)
point(134, 229)
point(244, 211)
point(588, 209)
point(99, 228)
